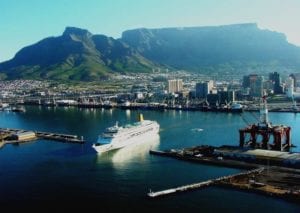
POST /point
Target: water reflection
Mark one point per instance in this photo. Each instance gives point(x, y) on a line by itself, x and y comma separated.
point(133, 153)
point(128, 114)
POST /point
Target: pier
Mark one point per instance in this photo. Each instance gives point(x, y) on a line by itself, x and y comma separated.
point(279, 178)
point(205, 159)
point(16, 136)
point(203, 183)
point(59, 137)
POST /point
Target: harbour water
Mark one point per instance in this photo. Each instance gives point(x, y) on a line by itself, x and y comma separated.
point(73, 175)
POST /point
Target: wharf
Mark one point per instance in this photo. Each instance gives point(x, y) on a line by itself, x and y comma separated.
point(206, 160)
point(10, 136)
point(234, 157)
point(60, 137)
point(284, 106)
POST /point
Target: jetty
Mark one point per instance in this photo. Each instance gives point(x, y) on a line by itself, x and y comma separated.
point(203, 183)
point(279, 178)
point(16, 136)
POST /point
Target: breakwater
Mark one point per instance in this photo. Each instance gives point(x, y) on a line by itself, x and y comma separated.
point(16, 136)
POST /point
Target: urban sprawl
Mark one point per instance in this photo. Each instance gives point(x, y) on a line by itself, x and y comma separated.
point(179, 90)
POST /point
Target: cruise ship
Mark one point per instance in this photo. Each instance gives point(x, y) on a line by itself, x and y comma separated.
point(116, 137)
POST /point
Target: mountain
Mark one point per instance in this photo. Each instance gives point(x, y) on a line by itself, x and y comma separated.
point(198, 48)
point(79, 55)
point(76, 55)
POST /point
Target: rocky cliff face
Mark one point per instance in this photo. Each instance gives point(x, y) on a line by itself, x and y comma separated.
point(195, 47)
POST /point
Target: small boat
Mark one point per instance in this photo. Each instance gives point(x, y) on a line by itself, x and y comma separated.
point(197, 130)
point(236, 107)
point(18, 109)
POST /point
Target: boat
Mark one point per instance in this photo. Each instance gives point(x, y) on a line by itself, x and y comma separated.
point(4, 106)
point(126, 105)
point(107, 104)
point(197, 130)
point(18, 109)
point(236, 107)
point(117, 137)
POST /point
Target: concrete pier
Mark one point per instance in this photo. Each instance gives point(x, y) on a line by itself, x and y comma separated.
point(10, 136)
point(201, 184)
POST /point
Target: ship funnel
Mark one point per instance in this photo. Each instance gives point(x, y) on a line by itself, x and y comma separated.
point(141, 117)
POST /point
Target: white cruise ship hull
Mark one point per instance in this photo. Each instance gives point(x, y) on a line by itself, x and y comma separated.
point(134, 136)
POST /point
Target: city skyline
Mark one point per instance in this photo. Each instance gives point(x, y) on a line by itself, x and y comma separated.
point(25, 23)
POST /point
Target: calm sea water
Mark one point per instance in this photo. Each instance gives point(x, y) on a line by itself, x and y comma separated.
point(54, 174)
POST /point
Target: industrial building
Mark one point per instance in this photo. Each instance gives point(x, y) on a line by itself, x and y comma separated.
point(272, 157)
point(22, 136)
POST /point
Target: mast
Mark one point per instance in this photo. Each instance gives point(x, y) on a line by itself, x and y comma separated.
point(263, 112)
point(295, 108)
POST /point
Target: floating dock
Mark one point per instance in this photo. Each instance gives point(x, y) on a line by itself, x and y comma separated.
point(15, 136)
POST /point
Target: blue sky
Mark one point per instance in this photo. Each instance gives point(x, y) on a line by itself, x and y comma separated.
point(25, 22)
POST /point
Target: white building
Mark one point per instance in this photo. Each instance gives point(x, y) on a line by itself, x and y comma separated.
point(290, 87)
point(175, 85)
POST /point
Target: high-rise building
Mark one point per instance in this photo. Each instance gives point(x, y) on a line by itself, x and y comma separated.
point(226, 96)
point(204, 88)
point(246, 81)
point(255, 83)
point(296, 77)
point(175, 85)
point(275, 78)
point(257, 87)
point(290, 87)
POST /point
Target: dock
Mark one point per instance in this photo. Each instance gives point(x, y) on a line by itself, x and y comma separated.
point(280, 177)
point(16, 136)
point(59, 137)
point(209, 160)
point(202, 184)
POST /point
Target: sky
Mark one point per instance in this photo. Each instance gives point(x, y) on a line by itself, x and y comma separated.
point(23, 23)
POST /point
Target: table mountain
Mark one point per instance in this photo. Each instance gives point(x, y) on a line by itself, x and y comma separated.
point(79, 55)
point(195, 48)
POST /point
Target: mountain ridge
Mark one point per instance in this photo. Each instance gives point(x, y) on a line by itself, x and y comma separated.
point(78, 54)
point(75, 55)
point(243, 41)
